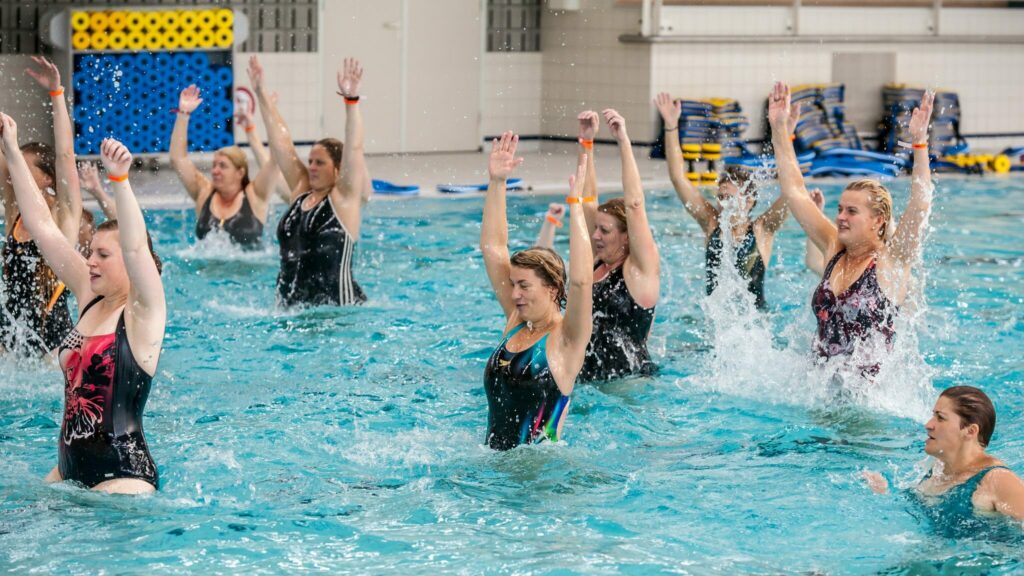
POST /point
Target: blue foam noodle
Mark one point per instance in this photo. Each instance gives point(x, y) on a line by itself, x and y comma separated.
point(144, 60)
point(224, 77)
point(162, 60)
point(198, 59)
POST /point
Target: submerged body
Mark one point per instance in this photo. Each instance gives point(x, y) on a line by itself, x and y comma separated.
point(244, 228)
point(618, 344)
point(748, 262)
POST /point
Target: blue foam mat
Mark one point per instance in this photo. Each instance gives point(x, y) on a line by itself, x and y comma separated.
point(511, 184)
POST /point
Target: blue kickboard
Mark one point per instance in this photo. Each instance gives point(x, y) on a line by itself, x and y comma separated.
point(510, 184)
point(385, 187)
point(865, 154)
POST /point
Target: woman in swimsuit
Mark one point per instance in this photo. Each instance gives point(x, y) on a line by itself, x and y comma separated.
point(35, 316)
point(868, 259)
point(965, 479)
point(110, 357)
point(752, 239)
point(531, 374)
point(228, 200)
point(319, 231)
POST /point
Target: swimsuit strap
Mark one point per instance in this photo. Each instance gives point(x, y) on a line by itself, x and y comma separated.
point(832, 264)
point(91, 303)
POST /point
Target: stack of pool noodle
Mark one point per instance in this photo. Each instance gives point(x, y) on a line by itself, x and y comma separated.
point(709, 131)
point(129, 67)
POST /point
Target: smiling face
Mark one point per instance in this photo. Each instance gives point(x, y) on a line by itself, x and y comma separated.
point(945, 434)
point(226, 177)
point(856, 222)
point(323, 172)
point(107, 274)
point(610, 241)
point(534, 300)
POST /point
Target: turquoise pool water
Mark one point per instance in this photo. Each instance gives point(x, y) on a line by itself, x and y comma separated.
point(350, 440)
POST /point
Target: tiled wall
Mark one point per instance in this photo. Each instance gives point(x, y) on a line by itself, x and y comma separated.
point(511, 93)
point(296, 79)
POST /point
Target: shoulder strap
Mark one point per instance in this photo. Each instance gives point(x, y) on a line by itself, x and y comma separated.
point(832, 263)
point(91, 303)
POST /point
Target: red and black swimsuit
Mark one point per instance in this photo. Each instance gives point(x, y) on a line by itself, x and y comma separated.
point(105, 392)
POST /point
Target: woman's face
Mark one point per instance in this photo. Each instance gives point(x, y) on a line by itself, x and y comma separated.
point(729, 197)
point(43, 180)
point(610, 243)
point(107, 274)
point(856, 222)
point(226, 177)
point(945, 436)
point(532, 298)
point(323, 172)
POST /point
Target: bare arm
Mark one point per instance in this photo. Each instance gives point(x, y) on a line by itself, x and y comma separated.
point(69, 196)
point(10, 204)
point(193, 180)
point(590, 122)
point(814, 259)
point(282, 149)
point(146, 311)
point(694, 202)
point(552, 221)
point(494, 229)
point(578, 323)
point(906, 240)
point(262, 155)
point(1008, 491)
point(354, 180)
point(59, 252)
point(643, 252)
point(781, 116)
point(90, 179)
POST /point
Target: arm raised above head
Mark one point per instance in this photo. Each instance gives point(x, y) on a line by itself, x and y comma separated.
point(494, 229)
point(694, 202)
point(589, 125)
point(905, 243)
point(578, 323)
point(191, 178)
point(282, 148)
point(90, 179)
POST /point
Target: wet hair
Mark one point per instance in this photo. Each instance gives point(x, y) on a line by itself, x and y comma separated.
point(238, 159)
point(742, 178)
point(548, 265)
point(879, 200)
point(88, 217)
point(111, 225)
point(46, 158)
point(334, 149)
point(973, 407)
point(616, 208)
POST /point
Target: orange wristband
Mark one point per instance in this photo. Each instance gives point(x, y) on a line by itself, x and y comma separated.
point(920, 146)
point(352, 100)
point(587, 199)
point(573, 200)
point(57, 92)
point(792, 137)
point(587, 144)
point(554, 220)
point(250, 129)
point(121, 178)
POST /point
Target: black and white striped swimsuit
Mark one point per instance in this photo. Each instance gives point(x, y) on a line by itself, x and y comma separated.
point(316, 257)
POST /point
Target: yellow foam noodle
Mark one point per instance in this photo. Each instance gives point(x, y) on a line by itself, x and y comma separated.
point(81, 41)
point(135, 22)
point(206, 38)
point(170, 20)
point(136, 40)
point(1001, 164)
point(189, 39)
point(98, 21)
point(188, 20)
point(117, 21)
point(225, 38)
point(206, 19)
point(225, 18)
point(152, 21)
point(118, 40)
point(154, 41)
point(79, 21)
point(709, 176)
point(172, 39)
point(99, 40)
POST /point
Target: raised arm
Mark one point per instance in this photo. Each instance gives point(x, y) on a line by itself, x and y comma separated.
point(59, 252)
point(10, 205)
point(590, 122)
point(906, 240)
point(552, 221)
point(643, 252)
point(782, 115)
point(193, 180)
point(578, 322)
point(354, 179)
point(69, 196)
point(245, 120)
point(146, 311)
point(494, 229)
point(694, 202)
point(282, 149)
point(814, 259)
point(90, 179)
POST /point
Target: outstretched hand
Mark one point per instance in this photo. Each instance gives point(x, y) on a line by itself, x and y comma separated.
point(255, 71)
point(818, 198)
point(503, 156)
point(875, 481)
point(782, 113)
point(244, 120)
point(48, 76)
point(8, 133)
point(670, 109)
point(556, 210)
point(616, 123)
point(116, 158)
point(589, 123)
point(189, 99)
point(349, 76)
point(89, 176)
point(921, 117)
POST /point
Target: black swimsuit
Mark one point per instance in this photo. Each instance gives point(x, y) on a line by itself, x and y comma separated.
point(748, 263)
point(35, 316)
point(618, 344)
point(846, 320)
point(316, 257)
point(244, 228)
point(105, 392)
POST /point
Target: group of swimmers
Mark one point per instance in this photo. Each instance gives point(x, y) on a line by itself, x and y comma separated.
point(590, 324)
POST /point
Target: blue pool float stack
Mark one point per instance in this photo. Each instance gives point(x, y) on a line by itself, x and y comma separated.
point(712, 121)
point(899, 101)
point(131, 96)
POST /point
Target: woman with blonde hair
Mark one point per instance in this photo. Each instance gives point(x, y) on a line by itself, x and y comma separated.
point(228, 200)
point(869, 259)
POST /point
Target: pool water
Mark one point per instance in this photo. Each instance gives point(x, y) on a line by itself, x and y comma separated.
point(351, 439)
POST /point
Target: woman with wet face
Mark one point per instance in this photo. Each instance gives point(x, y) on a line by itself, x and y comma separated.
point(228, 200)
point(532, 372)
point(869, 259)
point(751, 239)
point(319, 231)
point(964, 480)
point(35, 316)
point(111, 355)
